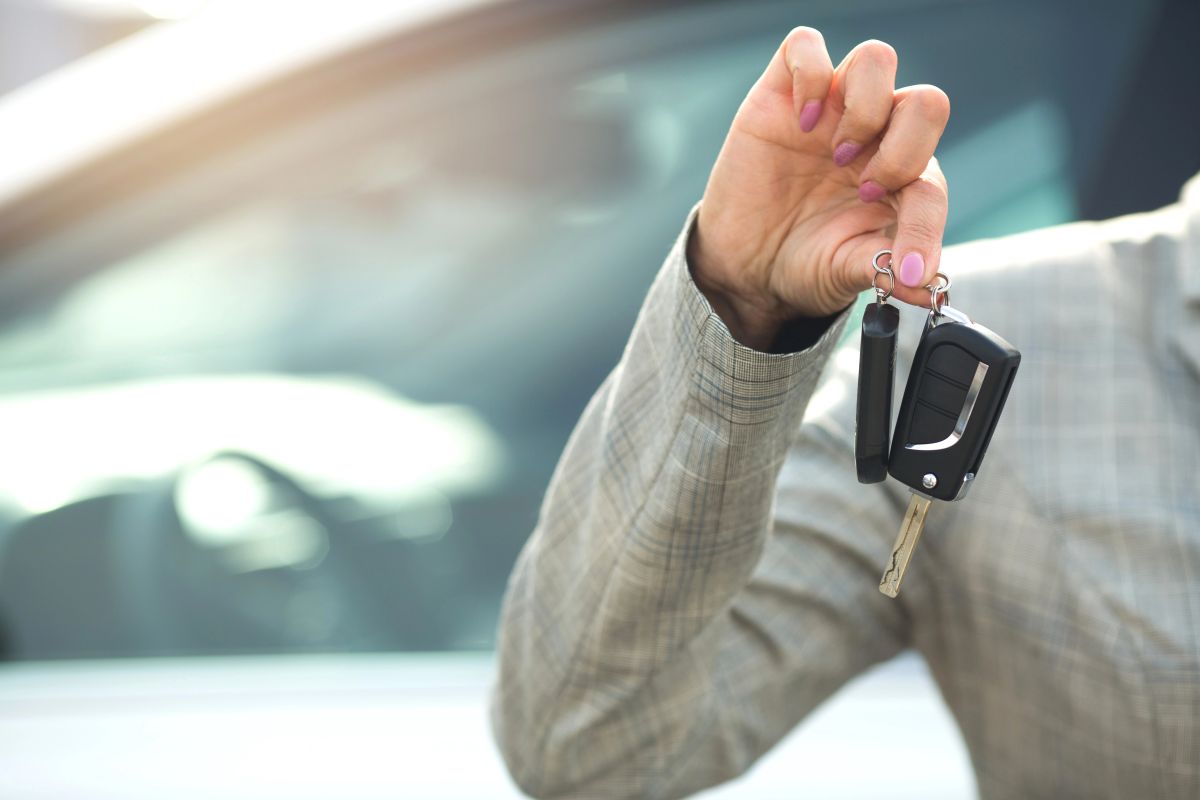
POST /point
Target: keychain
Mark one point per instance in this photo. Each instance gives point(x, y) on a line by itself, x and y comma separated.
point(876, 377)
point(960, 377)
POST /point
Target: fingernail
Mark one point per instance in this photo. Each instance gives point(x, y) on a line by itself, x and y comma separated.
point(870, 191)
point(809, 115)
point(846, 152)
point(912, 269)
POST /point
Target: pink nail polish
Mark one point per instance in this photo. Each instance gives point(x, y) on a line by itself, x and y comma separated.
point(870, 191)
point(809, 115)
point(912, 269)
point(846, 152)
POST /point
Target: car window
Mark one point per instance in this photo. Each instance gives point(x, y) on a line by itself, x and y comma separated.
point(307, 394)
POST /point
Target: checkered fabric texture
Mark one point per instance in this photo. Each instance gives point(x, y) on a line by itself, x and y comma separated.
point(704, 571)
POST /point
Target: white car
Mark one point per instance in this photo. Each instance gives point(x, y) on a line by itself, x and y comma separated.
point(298, 305)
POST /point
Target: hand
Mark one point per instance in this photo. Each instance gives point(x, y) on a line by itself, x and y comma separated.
point(821, 169)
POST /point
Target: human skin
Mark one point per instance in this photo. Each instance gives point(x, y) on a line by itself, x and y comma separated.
point(822, 168)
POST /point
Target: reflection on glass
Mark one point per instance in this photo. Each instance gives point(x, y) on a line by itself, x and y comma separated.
point(307, 394)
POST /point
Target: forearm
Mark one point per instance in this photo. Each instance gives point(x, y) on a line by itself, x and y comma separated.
point(654, 521)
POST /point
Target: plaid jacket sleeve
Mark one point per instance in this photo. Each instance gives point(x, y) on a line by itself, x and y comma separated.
point(662, 629)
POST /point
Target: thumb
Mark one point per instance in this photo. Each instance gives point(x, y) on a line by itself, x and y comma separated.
point(920, 225)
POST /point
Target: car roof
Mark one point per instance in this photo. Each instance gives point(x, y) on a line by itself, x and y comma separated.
point(168, 73)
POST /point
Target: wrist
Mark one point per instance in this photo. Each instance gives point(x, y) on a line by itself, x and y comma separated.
point(753, 318)
point(748, 324)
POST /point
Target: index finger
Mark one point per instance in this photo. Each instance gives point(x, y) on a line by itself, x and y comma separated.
point(919, 116)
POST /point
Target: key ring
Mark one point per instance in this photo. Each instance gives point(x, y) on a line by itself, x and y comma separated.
point(880, 295)
point(940, 287)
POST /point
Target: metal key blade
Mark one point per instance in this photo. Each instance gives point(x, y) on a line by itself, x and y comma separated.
point(906, 542)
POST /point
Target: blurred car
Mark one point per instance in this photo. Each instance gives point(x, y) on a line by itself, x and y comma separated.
point(298, 308)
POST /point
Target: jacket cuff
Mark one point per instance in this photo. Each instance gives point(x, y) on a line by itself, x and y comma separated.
point(739, 383)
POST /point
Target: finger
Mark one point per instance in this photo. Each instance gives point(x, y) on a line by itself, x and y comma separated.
point(802, 70)
point(920, 224)
point(866, 79)
point(919, 116)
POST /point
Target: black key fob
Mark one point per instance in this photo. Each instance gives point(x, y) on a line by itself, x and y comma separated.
point(876, 368)
point(960, 378)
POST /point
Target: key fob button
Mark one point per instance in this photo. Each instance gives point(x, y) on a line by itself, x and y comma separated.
point(941, 393)
point(960, 378)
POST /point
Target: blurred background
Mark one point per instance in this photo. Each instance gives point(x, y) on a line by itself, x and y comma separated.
point(300, 301)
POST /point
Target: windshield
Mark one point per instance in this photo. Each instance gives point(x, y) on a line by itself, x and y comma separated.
point(306, 395)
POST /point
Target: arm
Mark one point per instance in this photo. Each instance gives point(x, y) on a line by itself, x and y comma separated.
point(657, 637)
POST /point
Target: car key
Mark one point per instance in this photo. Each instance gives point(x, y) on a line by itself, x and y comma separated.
point(960, 379)
point(876, 369)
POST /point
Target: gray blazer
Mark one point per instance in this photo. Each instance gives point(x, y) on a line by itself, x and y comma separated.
point(704, 571)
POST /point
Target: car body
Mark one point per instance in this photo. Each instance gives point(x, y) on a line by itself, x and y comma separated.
point(297, 309)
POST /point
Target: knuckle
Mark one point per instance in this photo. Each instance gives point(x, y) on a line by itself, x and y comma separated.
point(892, 170)
point(920, 228)
point(936, 180)
point(803, 35)
point(923, 213)
point(932, 103)
point(864, 119)
point(932, 193)
point(802, 51)
point(879, 53)
point(807, 70)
